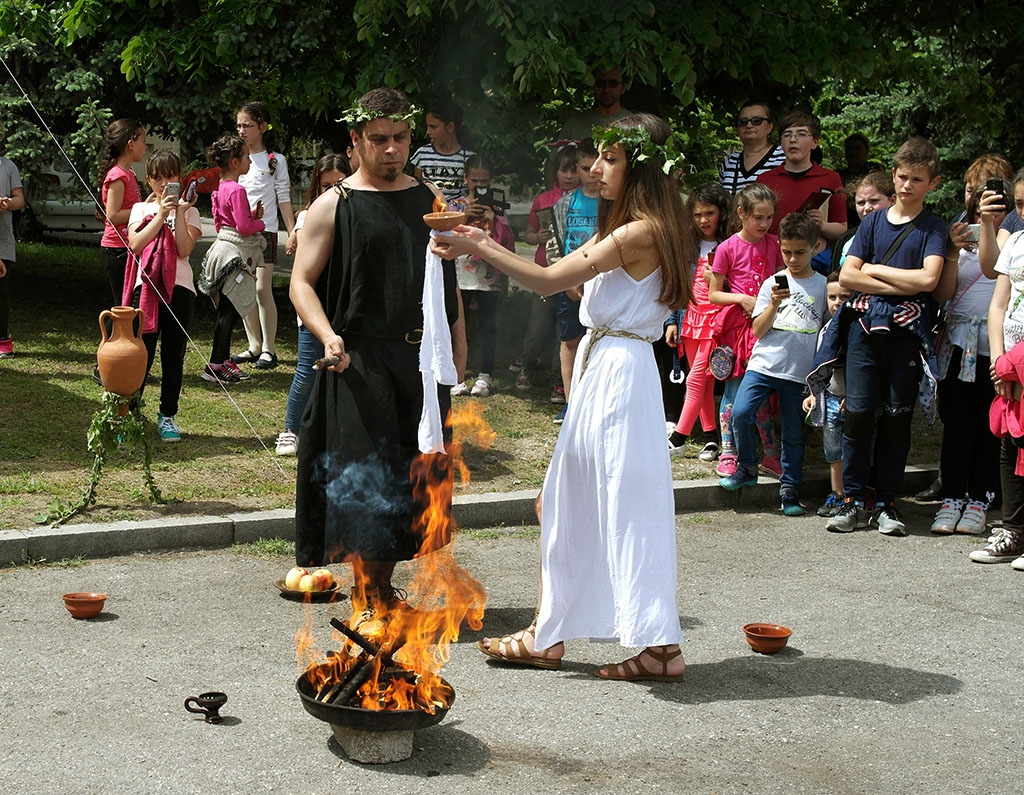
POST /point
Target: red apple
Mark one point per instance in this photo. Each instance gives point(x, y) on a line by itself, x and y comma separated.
point(324, 579)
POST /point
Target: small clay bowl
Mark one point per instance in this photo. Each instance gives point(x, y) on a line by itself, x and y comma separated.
point(84, 605)
point(767, 638)
point(444, 222)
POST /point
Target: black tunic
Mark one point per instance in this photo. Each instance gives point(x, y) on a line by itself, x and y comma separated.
point(359, 470)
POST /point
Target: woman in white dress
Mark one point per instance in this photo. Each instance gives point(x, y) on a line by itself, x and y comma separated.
point(608, 562)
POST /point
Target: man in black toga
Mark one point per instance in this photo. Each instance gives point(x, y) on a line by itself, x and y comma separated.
point(357, 284)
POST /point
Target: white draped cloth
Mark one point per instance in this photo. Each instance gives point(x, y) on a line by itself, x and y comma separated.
point(608, 569)
point(436, 363)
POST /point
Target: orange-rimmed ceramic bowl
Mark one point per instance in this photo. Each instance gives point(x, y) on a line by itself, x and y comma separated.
point(767, 638)
point(85, 604)
point(444, 222)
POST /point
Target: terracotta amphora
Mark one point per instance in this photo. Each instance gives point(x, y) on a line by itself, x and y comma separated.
point(121, 357)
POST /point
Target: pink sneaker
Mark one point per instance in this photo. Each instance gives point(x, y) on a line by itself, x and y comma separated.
point(726, 465)
point(772, 464)
point(6, 348)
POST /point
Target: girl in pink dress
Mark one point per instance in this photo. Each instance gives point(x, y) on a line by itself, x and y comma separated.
point(692, 331)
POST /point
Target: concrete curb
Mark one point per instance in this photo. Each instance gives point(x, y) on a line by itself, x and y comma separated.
point(493, 510)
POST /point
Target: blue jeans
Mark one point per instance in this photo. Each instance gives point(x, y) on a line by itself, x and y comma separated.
point(310, 350)
point(755, 389)
point(883, 375)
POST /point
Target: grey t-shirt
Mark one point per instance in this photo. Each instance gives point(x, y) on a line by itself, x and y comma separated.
point(787, 350)
point(9, 180)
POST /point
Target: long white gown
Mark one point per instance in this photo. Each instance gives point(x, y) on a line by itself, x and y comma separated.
point(607, 517)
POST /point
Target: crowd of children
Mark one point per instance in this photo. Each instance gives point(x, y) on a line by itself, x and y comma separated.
point(796, 318)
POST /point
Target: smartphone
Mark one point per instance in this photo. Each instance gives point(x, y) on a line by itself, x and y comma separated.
point(173, 189)
point(997, 185)
point(815, 201)
point(782, 281)
point(190, 191)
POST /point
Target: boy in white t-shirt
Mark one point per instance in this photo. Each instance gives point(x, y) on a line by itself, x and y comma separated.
point(789, 312)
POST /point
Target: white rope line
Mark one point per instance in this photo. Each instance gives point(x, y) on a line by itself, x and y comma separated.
point(103, 211)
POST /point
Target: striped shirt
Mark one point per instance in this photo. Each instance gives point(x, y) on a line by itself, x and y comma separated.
point(733, 176)
point(447, 172)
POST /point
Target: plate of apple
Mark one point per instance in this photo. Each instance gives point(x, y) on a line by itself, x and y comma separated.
point(318, 585)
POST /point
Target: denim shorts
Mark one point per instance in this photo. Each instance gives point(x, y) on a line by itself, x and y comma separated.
point(832, 432)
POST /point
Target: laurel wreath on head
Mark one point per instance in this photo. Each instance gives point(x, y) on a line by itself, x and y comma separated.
point(357, 114)
point(639, 146)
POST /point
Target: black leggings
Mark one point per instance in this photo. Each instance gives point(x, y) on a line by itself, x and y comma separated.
point(115, 261)
point(5, 303)
point(487, 324)
point(227, 317)
point(172, 329)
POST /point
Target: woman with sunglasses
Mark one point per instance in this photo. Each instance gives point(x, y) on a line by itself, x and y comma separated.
point(754, 124)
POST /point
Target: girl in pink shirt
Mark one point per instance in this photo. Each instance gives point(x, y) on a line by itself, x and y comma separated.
point(124, 144)
point(742, 263)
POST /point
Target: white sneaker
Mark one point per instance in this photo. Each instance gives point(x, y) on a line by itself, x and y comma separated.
point(709, 452)
point(482, 387)
point(972, 522)
point(947, 517)
point(460, 389)
point(1018, 564)
point(287, 443)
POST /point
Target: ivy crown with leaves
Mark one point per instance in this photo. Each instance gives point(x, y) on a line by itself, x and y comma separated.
point(639, 145)
point(357, 114)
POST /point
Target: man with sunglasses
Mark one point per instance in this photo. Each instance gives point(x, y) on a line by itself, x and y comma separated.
point(608, 88)
point(754, 125)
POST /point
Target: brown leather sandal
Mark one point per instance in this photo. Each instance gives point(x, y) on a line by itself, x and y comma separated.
point(632, 671)
point(511, 649)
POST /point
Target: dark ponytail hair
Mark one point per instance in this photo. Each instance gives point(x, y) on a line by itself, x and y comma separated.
point(120, 133)
point(222, 151)
point(449, 111)
point(260, 114)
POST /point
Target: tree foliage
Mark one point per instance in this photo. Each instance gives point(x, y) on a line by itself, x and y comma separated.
point(518, 67)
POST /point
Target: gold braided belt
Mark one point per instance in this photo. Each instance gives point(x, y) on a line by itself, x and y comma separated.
point(603, 331)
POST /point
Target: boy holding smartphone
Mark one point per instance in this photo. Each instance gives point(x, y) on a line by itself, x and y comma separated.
point(788, 313)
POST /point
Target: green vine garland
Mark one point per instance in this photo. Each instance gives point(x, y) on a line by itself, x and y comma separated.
point(108, 432)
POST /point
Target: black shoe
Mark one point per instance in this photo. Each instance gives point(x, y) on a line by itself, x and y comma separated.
point(267, 361)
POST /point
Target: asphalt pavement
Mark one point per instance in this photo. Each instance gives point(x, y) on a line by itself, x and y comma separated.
point(899, 677)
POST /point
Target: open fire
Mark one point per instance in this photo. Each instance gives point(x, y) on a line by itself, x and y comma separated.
point(391, 648)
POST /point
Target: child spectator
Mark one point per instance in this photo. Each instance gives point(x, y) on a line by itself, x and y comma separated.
point(788, 314)
point(229, 267)
point(542, 311)
point(124, 144)
point(873, 191)
point(574, 220)
point(443, 160)
point(162, 232)
point(480, 283)
point(800, 180)
point(969, 460)
point(743, 263)
point(893, 265)
point(12, 198)
point(266, 184)
point(328, 171)
point(692, 330)
point(1005, 333)
point(831, 411)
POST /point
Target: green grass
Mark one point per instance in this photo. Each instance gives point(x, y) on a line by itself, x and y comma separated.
point(225, 462)
point(267, 548)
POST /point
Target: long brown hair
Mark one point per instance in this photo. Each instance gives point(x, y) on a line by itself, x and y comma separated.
point(649, 195)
